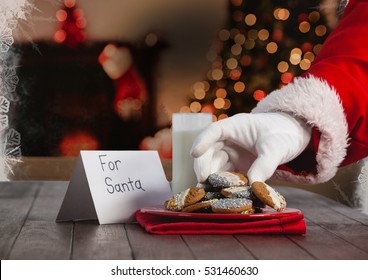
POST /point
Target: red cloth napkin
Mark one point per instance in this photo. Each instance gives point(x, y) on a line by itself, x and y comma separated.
point(293, 224)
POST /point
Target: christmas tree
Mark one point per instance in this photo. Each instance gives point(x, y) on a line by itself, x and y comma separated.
point(265, 45)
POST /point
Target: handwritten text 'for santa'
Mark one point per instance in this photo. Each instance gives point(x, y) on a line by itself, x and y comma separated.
point(111, 186)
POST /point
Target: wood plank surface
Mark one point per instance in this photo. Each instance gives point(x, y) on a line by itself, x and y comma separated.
point(322, 244)
point(28, 231)
point(334, 223)
point(157, 247)
point(15, 203)
point(274, 247)
point(100, 242)
point(217, 247)
point(41, 237)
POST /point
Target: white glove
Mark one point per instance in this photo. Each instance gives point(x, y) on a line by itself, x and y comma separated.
point(255, 144)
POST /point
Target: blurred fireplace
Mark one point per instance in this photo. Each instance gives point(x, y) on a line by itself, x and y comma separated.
point(66, 99)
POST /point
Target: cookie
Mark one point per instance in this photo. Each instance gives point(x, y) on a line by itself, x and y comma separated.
point(257, 203)
point(184, 199)
point(231, 205)
point(200, 206)
point(237, 192)
point(269, 196)
point(213, 195)
point(227, 179)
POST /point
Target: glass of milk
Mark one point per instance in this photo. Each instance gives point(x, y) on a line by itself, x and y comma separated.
point(185, 128)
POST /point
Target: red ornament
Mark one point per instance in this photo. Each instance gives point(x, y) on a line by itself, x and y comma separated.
point(130, 94)
point(307, 47)
point(277, 35)
point(303, 17)
point(72, 24)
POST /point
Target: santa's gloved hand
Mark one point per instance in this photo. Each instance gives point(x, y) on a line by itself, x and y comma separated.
point(255, 144)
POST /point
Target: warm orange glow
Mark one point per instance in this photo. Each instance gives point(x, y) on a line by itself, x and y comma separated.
point(236, 49)
point(208, 108)
point(222, 116)
point(321, 30)
point(184, 109)
point(235, 74)
point(295, 58)
point(195, 107)
point(81, 23)
point(239, 87)
point(271, 47)
point(314, 16)
point(199, 94)
point(309, 56)
point(219, 103)
point(231, 63)
point(286, 77)
point(281, 14)
point(69, 3)
point(227, 104)
point(221, 93)
point(305, 64)
point(61, 15)
point(250, 19)
point(217, 74)
point(73, 143)
point(263, 34)
point(283, 66)
point(296, 51)
point(304, 26)
point(59, 36)
point(198, 86)
point(259, 95)
point(239, 38)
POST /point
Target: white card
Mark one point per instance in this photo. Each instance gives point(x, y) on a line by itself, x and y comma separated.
point(112, 185)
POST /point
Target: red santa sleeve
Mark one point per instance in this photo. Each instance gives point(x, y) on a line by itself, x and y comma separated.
point(333, 98)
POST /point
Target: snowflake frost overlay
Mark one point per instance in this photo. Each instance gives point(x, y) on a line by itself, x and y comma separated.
point(363, 177)
point(10, 140)
point(6, 37)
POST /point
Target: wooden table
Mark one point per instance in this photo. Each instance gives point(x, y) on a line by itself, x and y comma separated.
point(28, 231)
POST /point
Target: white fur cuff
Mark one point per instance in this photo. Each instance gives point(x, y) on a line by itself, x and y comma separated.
point(315, 101)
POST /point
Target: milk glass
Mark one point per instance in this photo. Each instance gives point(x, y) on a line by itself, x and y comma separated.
point(185, 128)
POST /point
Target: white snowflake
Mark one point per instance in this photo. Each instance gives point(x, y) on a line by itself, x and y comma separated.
point(4, 122)
point(11, 9)
point(8, 79)
point(363, 177)
point(10, 12)
point(6, 37)
point(4, 105)
point(11, 149)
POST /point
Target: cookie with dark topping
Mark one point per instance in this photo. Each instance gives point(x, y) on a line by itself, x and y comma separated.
point(184, 199)
point(201, 206)
point(237, 192)
point(231, 205)
point(269, 196)
point(213, 195)
point(226, 179)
